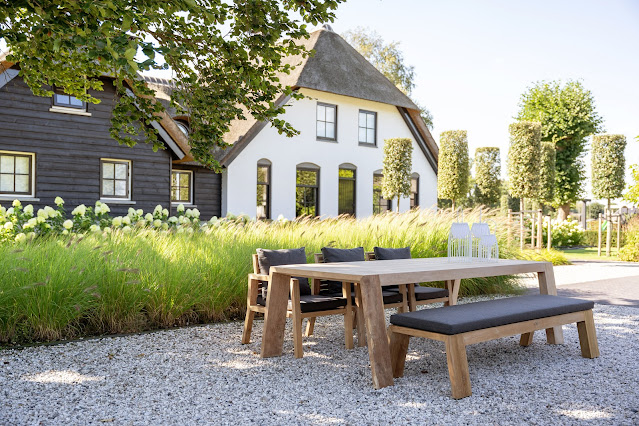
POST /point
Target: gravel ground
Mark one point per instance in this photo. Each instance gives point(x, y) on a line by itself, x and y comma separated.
point(202, 375)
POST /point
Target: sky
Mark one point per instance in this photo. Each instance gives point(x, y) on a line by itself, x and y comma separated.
point(474, 59)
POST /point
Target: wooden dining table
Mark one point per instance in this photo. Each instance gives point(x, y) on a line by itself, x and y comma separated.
point(371, 277)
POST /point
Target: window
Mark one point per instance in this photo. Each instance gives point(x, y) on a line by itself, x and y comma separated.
point(183, 127)
point(182, 186)
point(16, 173)
point(367, 127)
point(414, 191)
point(346, 190)
point(307, 190)
point(61, 99)
point(116, 179)
point(263, 189)
point(380, 204)
point(327, 122)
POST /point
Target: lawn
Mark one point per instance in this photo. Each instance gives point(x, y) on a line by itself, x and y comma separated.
point(589, 253)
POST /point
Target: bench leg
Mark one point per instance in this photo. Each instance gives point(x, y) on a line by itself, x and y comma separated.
point(588, 337)
point(458, 367)
point(248, 326)
point(526, 339)
point(398, 350)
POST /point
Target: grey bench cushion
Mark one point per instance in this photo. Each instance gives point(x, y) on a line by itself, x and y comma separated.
point(313, 303)
point(493, 313)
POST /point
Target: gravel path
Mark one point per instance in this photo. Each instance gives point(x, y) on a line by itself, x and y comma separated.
point(203, 375)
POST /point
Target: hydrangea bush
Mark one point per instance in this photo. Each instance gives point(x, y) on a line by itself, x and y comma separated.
point(565, 233)
point(19, 223)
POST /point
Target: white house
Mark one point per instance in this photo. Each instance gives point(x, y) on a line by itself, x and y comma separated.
point(334, 165)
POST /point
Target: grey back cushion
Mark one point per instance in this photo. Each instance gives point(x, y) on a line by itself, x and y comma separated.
point(267, 258)
point(332, 255)
point(382, 253)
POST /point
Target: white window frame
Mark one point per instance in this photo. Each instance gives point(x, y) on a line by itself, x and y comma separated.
point(26, 197)
point(191, 201)
point(115, 200)
point(55, 107)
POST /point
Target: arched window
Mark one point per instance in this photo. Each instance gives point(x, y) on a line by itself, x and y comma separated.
point(414, 190)
point(307, 190)
point(380, 204)
point(346, 189)
point(183, 126)
point(263, 189)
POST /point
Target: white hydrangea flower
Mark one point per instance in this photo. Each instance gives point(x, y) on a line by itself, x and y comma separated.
point(10, 211)
point(165, 226)
point(65, 232)
point(98, 209)
point(21, 237)
point(8, 226)
point(196, 213)
point(158, 209)
point(16, 203)
point(189, 213)
point(165, 212)
point(148, 217)
point(180, 208)
point(157, 223)
point(80, 210)
point(126, 220)
point(140, 212)
point(117, 221)
point(95, 228)
point(42, 214)
point(105, 208)
point(141, 223)
point(59, 201)
point(131, 211)
point(68, 224)
point(173, 219)
point(126, 229)
point(28, 210)
point(41, 219)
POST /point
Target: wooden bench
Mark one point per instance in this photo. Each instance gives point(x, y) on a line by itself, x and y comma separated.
point(461, 325)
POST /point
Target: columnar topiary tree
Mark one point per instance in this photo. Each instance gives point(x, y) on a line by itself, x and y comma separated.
point(547, 172)
point(608, 166)
point(397, 168)
point(523, 160)
point(453, 165)
point(487, 174)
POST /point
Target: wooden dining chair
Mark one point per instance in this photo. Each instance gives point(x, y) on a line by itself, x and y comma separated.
point(300, 306)
point(417, 294)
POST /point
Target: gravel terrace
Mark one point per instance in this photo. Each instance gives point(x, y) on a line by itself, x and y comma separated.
point(203, 375)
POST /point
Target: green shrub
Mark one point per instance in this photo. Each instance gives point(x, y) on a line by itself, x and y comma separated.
point(630, 250)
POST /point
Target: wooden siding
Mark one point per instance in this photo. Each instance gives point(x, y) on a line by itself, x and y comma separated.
point(68, 149)
point(207, 191)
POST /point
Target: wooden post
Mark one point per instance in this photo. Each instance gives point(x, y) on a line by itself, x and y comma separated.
point(618, 233)
point(510, 223)
point(599, 237)
point(549, 232)
point(532, 230)
point(540, 225)
point(521, 230)
point(608, 232)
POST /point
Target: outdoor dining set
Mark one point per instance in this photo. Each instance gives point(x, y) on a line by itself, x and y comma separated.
point(359, 285)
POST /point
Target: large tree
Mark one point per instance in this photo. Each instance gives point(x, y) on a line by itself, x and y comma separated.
point(389, 60)
point(487, 176)
point(224, 55)
point(567, 115)
point(453, 166)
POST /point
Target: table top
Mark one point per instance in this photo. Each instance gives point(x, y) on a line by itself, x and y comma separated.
point(406, 271)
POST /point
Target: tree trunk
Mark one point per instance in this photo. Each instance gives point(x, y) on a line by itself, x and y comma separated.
point(521, 205)
point(563, 212)
point(453, 205)
point(397, 210)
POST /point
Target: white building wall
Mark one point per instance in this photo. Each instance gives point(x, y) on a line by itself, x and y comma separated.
point(285, 153)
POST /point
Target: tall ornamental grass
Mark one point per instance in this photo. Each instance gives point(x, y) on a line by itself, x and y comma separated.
point(65, 286)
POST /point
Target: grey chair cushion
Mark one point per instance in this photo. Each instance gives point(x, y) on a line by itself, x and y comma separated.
point(492, 313)
point(427, 293)
point(382, 253)
point(343, 255)
point(332, 255)
point(267, 258)
point(313, 303)
point(387, 296)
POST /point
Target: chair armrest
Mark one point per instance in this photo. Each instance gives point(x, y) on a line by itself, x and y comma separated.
point(259, 277)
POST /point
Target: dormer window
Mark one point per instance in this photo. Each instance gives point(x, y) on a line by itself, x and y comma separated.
point(183, 127)
point(61, 99)
point(326, 122)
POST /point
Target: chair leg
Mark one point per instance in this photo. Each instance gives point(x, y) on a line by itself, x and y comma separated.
point(405, 302)
point(297, 337)
point(248, 326)
point(458, 367)
point(310, 326)
point(398, 350)
point(348, 316)
point(361, 327)
point(412, 302)
point(526, 339)
point(588, 337)
point(297, 318)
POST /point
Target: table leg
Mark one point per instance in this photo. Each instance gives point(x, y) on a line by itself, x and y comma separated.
point(453, 291)
point(546, 279)
point(275, 316)
point(361, 328)
point(378, 348)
